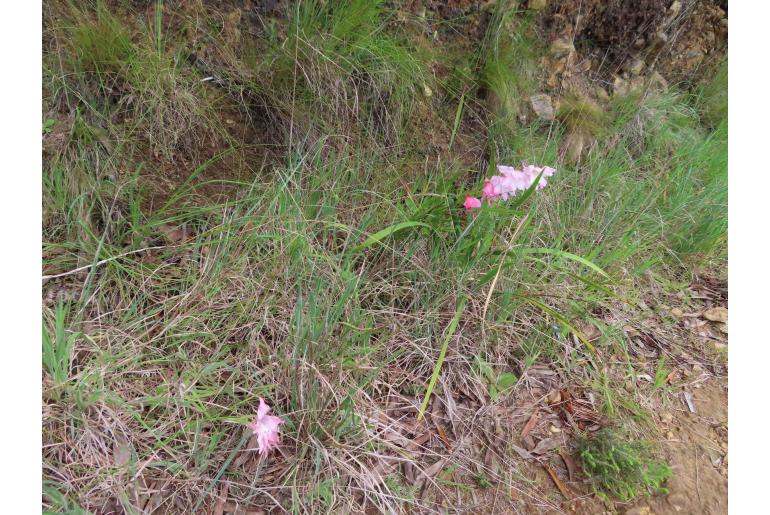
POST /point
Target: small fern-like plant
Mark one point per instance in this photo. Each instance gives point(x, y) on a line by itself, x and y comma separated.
point(620, 468)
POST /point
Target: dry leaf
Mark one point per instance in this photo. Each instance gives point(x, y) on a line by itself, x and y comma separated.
point(522, 452)
point(121, 452)
point(435, 468)
point(717, 314)
point(570, 463)
point(530, 424)
point(219, 507)
point(554, 397)
point(547, 444)
point(246, 453)
point(237, 509)
point(590, 331)
point(419, 441)
point(174, 234)
point(561, 486)
point(630, 331)
point(442, 435)
point(688, 398)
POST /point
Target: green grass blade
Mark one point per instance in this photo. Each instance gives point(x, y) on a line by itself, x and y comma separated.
point(558, 316)
point(384, 233)
point(442, 354)
point(458, 118)
point(564, 254)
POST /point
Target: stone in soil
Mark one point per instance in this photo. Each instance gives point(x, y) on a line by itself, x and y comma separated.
point(542, 106)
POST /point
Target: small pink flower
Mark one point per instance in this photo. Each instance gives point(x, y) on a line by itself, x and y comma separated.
point(471, 203)
point(266, 428)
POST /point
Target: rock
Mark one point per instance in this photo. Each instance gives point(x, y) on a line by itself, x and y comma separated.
point(542, 106)
point(562, 47)
point(619, 86)
point(636, 67)
point(660, 39)
point(675, 8)
point(639, 510)
point(601, 93)
point(717, 314)
point(537, 5)
point(636, 84)
point(719, 346)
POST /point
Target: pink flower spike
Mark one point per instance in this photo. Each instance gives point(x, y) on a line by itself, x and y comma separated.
point(471, 203)
point(521, 181)
point(548, 171)
point(266, 428)
point(488, 191)
point(507, 171)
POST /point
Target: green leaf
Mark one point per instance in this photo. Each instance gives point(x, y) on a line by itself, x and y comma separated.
point(48, 125)
point(388, 231)
point(506, 380)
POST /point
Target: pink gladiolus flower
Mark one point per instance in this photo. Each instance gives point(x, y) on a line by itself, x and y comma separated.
point(509, 182)
point(266, 428)
point(471, 203)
